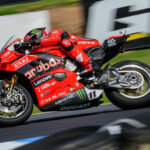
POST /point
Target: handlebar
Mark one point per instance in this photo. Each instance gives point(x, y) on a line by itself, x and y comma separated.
point(26, 45)
point(22, 47)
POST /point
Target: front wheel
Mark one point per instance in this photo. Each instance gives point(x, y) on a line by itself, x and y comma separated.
point(129, 98)
point(16, 106)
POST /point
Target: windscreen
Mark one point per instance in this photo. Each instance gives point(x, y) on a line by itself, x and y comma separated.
point(9, 42)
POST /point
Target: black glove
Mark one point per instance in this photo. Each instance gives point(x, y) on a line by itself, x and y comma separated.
point(27, 45)
point(17, 47)
point(22, 47)
point(35, 42)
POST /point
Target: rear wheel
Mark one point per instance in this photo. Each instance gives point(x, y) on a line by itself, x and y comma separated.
point(131, 98)
point(15, 107)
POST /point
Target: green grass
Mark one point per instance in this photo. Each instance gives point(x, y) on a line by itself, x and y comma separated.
point(35, 110)
point(34, 6)
point(140, 55)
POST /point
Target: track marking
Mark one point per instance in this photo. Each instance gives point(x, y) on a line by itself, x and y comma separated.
point(14, 144)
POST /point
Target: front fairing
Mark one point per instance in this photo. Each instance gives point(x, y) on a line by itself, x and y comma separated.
point(12, 61)
point(6, 58)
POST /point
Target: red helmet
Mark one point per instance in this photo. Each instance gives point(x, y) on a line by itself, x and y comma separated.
point(37, 33)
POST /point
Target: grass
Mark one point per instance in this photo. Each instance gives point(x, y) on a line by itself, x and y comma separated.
point(34, 6)
point(35, 110)
point(140, 55)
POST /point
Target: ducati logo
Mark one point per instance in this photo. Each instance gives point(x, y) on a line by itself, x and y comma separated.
point(79, 58)
point(111, 42)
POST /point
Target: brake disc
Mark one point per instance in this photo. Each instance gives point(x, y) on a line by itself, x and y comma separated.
point(132, 79)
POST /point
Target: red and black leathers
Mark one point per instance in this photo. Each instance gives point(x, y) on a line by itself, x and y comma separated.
point(72, 45)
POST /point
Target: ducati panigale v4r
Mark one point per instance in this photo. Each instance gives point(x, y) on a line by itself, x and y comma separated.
point(51, 80)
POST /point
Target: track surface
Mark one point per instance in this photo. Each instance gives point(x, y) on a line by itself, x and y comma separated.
point(48, 123)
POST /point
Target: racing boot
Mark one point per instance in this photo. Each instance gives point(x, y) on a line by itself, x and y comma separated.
point(88, 69)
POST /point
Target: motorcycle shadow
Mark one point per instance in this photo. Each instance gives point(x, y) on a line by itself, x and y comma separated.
point(66, 115)
point(62, 115)
point(112, 112)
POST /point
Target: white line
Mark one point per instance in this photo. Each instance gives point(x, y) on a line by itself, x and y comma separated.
point(14, 144)
point(11, 145)
point(131, 122)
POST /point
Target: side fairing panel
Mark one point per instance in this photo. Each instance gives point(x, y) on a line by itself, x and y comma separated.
point(43, 64)
point(79, 96)
point(40, 69)
point(49, 89)
point(41, 72)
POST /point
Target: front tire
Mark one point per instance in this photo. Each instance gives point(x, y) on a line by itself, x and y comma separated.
point(131, 99)
point(17, 113)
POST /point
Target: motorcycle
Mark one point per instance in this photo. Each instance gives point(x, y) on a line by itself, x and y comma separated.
point(52, 81)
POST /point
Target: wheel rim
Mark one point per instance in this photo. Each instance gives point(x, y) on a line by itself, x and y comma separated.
point(143, 90)
point(15, 104)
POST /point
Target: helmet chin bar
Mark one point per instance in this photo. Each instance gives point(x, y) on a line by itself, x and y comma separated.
point(36, 33)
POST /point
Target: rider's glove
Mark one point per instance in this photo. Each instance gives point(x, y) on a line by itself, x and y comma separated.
point(27, 45)
point(35, 42)
point(21, 47)
point(16, 47)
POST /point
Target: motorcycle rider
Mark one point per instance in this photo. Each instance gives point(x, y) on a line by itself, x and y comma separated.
point(72, 45)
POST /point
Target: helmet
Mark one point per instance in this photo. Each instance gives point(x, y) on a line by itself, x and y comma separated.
point(37, 33)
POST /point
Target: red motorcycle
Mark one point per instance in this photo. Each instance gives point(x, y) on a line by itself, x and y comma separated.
point(51, 80)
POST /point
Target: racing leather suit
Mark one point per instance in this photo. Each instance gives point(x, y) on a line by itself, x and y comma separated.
point(72, 45)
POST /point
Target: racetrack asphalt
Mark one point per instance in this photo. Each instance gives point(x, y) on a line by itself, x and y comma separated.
point(52, 122)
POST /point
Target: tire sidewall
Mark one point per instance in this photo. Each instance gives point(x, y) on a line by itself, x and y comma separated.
point(23, 116)
point(126, 102)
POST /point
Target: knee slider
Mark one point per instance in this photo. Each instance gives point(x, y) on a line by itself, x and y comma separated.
point(67, 45)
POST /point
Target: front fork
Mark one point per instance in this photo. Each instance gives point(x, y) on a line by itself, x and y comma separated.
point(12, 82)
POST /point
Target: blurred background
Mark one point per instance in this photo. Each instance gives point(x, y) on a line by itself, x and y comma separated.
point(91, 18)
point(20, 16)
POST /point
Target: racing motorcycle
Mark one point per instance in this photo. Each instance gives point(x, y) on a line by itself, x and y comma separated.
point(52, 81)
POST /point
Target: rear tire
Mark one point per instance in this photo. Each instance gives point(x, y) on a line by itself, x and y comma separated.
point(126, 101)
